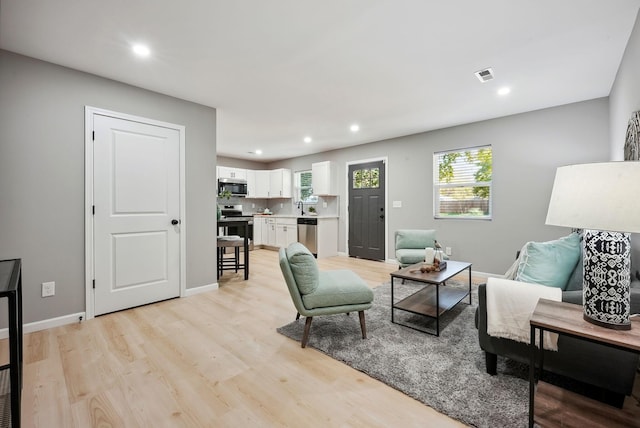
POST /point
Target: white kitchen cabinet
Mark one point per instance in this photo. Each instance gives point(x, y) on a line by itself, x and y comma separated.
point(265, 184)
point(227, 172)
point(251, 183)
point(262, 180)
point(280, 183)
point(286, 231)
point(327, 233)
point(270, 238)
point(324, 178)
point(259, 224)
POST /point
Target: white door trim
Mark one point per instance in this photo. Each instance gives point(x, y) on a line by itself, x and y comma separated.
point(384, 160)
point(90, 112)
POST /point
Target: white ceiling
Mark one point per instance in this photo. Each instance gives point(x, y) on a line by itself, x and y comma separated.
point(279, 70)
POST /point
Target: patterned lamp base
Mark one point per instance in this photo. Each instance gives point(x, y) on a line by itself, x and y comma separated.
point(606, 281)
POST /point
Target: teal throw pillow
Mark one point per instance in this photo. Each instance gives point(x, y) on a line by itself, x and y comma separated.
point(304, 268)
point(575, 279)
point(549, 263)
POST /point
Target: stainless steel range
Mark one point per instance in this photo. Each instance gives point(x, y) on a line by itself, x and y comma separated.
point(235, 211)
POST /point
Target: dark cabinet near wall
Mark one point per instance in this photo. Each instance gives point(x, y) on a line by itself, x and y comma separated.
point(11, 374)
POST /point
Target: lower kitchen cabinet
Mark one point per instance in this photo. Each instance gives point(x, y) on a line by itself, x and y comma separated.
point(279, 232)
point(259, 224)
point(327, 237)
point(286, 231)
point(270, 236)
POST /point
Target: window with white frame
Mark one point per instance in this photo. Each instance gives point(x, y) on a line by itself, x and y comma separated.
point(304, 187)
point(462, 183)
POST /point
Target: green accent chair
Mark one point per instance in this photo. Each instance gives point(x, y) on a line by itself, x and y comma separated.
point(317, 292)
point(410, 245)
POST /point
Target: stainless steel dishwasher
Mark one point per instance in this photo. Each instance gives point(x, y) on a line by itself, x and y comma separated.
point(308, 234)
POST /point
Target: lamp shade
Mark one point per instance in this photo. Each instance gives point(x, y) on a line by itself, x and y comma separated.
point(600, 196)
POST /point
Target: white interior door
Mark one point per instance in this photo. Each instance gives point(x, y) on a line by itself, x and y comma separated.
point(136, 194)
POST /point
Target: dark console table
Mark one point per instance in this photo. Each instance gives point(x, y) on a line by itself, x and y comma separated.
point(11, 288)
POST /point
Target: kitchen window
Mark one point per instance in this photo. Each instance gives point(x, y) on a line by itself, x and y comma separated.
point(462, 183)
point(304, 187)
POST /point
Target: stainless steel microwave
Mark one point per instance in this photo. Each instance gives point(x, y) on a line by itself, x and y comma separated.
point(237, 186)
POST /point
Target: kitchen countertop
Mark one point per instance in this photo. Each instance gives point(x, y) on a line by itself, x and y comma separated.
point(295, 216)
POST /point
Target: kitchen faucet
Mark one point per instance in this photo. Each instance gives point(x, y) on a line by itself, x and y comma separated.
point(301, 207)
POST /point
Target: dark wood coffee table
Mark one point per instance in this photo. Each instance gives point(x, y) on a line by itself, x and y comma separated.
point(435, 298)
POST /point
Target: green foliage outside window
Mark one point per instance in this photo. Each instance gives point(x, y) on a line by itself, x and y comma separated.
point(366, 178)
point(463, 186)
point(305, 187)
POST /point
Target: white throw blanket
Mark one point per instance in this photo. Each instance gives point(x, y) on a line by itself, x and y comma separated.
point(509, 308)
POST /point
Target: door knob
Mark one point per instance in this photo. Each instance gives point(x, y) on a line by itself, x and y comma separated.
point(175, 222)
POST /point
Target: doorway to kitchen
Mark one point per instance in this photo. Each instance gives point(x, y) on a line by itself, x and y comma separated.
point(366, 184)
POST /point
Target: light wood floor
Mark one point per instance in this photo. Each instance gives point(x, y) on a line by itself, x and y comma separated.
point(209, 360)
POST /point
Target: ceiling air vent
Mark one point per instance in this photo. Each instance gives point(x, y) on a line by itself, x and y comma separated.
point(484, 75)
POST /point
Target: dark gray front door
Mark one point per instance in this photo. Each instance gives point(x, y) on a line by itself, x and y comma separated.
point(366, 210)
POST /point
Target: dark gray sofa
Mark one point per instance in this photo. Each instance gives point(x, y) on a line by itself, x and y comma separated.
point(612, 371)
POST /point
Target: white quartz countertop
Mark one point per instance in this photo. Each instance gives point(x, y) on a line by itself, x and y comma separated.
point(295, 216)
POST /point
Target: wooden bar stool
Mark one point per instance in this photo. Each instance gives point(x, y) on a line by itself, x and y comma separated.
point(229, 263)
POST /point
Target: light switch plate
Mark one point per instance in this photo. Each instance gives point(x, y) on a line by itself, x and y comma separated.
point(397, 204)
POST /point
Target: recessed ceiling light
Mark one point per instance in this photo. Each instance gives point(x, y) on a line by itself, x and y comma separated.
point(355, 127)
point(258, 152)
point(307, 139)
point(504, 91)
point(141, 50)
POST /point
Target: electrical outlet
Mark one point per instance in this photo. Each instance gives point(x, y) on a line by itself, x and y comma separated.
point(48, 289)
point(324, 204)
point(447, 251)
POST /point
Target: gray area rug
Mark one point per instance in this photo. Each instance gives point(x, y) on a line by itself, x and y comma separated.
point(446, 373)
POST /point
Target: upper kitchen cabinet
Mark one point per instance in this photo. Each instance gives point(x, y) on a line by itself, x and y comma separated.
point(264, 184)
point(227, 172)
point(258, 184)
point(324, 178)
point(279, 183)
point(251, 183)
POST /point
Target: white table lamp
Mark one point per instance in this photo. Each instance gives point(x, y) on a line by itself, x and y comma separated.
point(601, 199)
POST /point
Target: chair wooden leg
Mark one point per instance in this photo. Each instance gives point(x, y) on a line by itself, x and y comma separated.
point(297, 316)
point(305, 335)
point(363, 326)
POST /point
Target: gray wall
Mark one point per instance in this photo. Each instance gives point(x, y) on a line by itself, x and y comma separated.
point(240, 163)
point(527, 149)
point(42, 175)
point(624, 100)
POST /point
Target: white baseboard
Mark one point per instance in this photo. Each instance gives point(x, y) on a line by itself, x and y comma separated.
point(46, 324)
point(72, 318)
point(202, 289)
